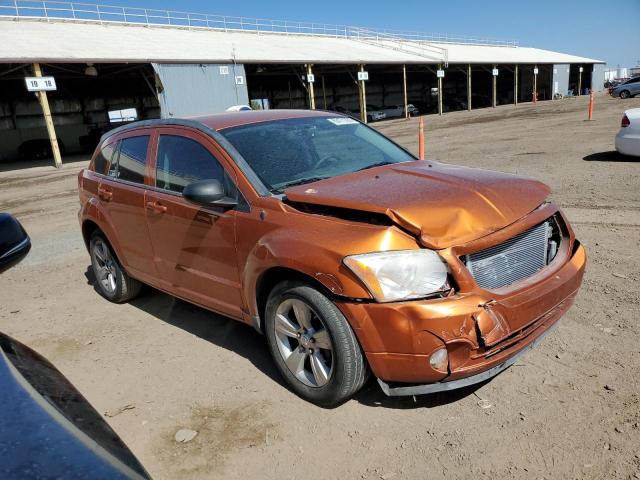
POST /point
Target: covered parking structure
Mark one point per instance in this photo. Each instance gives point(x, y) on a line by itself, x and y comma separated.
point(111, 67)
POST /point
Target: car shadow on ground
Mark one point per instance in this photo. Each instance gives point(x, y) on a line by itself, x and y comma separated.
point(610, 156)
point(243, 340)
point(217, 329)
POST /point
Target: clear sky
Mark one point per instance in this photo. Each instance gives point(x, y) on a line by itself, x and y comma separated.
point(605, 30)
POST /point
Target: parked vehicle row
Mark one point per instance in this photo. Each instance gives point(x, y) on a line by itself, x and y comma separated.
point(376, 113)
point(627, 89)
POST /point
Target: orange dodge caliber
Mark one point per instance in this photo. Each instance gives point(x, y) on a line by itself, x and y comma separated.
point(348, 253)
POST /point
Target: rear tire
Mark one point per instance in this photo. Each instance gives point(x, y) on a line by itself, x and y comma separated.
point(313, 345)
point(625, 94)
point(112, 282)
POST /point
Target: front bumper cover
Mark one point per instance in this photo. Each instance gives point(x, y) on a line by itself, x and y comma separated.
point(463, 382)
point(398, 338)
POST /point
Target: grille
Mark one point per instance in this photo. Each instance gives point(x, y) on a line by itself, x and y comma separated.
point(513, 260)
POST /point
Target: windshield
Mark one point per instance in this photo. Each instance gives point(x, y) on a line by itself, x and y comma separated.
point(303, 150)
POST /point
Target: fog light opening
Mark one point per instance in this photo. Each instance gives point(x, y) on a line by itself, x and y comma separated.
point(439, 360)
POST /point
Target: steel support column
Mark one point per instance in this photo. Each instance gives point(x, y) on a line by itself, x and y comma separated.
point(494, 88)
point(535, 85)
point(580, 81)
point(515, 85)
point(404, 89)
point(439, 92)
point(469, 87)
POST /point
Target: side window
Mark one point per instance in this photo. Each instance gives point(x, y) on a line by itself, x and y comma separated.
point(112, 169)
point(103, 158)
point(182, 161)
point(132, 158)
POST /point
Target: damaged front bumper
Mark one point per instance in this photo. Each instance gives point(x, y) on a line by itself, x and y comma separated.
point(462, 382)
point(398, 339)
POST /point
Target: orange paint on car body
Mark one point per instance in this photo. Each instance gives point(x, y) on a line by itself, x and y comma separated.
point(224, 260)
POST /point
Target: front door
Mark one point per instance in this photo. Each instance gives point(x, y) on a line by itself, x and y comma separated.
point(194, 247)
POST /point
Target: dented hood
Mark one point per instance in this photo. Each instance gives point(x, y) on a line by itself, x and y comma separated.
point(443, 205)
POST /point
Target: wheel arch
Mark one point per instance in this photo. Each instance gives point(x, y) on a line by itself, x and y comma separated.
point(275, 275)
point(89, 226)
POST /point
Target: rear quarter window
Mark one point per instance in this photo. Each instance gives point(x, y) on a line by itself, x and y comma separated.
point(103, 158)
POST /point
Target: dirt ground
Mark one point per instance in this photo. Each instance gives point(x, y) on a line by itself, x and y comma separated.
point(568, 409)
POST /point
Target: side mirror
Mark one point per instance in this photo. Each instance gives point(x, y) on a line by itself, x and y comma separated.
point(14, 242)
point(209, 193)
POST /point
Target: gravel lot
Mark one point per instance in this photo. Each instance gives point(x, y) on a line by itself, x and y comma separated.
point(568, 409)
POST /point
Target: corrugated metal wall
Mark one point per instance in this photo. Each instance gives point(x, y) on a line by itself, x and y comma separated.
point(597, 77)
point(196, 89)
point(560, 78)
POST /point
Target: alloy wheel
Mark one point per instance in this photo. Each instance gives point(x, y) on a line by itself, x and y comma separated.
point(105, 266)
point(304, 342)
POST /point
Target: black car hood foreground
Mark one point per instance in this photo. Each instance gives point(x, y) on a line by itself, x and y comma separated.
point(48, 429)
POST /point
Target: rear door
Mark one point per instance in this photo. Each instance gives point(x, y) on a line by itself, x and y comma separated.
point(121, 192)
point(195, 247)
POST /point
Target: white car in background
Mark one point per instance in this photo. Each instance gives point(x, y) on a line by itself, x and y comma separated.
point(239, 108)
point(375, 113)
point(393, 111)
point(397, 111)
point(628, 138)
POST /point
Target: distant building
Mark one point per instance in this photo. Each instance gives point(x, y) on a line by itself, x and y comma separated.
point(125, 63)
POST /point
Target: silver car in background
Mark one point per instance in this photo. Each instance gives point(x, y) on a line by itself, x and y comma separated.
point(397, 111)
point(375, 113)
point(630, 88)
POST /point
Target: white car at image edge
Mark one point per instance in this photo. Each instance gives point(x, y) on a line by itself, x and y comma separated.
point(628, 138)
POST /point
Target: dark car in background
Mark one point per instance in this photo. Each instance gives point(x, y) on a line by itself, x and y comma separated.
point(38, 148)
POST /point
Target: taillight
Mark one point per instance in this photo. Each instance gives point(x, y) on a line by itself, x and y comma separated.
point(625, 121)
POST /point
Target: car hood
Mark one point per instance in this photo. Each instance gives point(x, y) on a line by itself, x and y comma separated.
point(48, 429)
point(443, 205)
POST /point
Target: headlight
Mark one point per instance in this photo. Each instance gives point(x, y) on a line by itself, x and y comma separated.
point(400, 275)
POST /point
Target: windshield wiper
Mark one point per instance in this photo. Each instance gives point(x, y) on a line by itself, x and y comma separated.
point(380, 164)
point(301, 181)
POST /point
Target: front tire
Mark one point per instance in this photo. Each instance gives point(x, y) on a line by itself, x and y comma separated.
point(625, 94)
point(112, 281)
point(313, 345)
